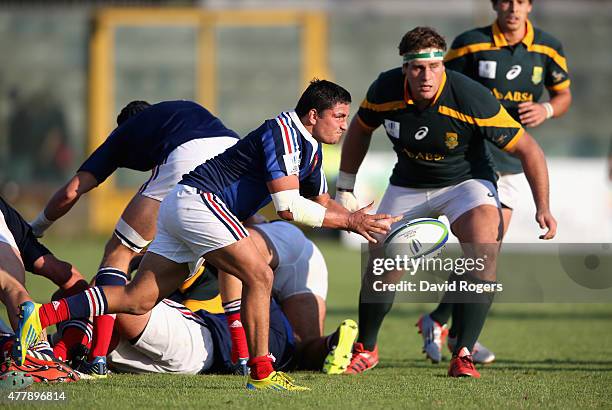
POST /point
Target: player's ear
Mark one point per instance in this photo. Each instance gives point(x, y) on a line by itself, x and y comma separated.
point(312, 116)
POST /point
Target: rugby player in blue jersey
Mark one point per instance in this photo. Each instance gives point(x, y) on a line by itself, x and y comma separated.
point(169, 139)
point(279, 162)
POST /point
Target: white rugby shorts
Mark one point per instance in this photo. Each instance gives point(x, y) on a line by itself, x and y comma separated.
point(6, 235)
point(192, 223)
point(181, 161)
point(452, 201)
point(174, 341)
point(301, 266)
point(508, 187)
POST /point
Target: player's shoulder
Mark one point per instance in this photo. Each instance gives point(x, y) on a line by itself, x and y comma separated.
point(543, 38)
point(388, 86)
point(389, 77)
point(469, 96)
point(177, 104)
point(474, 36)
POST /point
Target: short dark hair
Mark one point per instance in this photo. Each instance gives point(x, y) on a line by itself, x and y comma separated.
point(321, 95)
point(131, 109)
point(420, 38)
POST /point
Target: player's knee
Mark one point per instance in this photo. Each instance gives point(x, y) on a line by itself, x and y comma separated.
point(140, 306)
point(135, 303)
point(261, 278)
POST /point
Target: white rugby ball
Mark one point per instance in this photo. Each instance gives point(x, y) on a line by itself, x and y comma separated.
point(422, 237)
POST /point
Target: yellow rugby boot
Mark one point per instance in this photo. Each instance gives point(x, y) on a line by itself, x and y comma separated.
point(339, 357)
point(274, 381)
point(28, 330)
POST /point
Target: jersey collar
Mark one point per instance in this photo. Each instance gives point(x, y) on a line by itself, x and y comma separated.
point(307, 135)
point(408, 97)
point(500, 40)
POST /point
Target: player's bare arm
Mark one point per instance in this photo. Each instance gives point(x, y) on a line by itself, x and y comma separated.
point(355, 146)
point(312, 213)
point(534, 165)
point(63, 200)
point(354, 149)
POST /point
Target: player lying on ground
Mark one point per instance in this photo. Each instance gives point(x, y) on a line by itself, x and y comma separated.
point(169, 139)
point(156, 342)
point(296, 329)
point(516, 61)
point(200, 217)
point(438, 122)
point(20, 251)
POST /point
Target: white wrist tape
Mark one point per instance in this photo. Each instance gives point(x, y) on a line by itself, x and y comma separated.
point(550, 111)
point(40, 224)
point(303, 210)
point(346, 181)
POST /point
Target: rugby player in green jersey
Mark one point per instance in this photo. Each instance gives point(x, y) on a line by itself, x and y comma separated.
point(516, 62)
point(438, 122)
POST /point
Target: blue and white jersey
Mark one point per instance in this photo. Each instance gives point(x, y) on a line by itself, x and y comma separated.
point(278, 148)
point(147, 138)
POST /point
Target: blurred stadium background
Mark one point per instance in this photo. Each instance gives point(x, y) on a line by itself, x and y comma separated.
point(69, 66)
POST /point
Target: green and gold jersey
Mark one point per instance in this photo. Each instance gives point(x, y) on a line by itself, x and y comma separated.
point(444, 144)
point(514, 74)
point(201, 291)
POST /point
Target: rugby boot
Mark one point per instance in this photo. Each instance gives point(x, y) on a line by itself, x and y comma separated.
point(434, 335)
point(340, 356)
point(462, 365)
point(362, 359)
point(480, 354)
point(275, 381)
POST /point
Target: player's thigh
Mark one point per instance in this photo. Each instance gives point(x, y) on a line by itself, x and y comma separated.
point(141, 215)
point(242, 260)
point(157, 277)
point(481, 224)
point(479, 231)
point(11, 266)
point(171, 341)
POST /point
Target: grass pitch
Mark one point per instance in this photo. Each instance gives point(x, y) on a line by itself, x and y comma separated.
point(555, 356)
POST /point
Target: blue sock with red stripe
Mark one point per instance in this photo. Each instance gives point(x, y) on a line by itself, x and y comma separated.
point(80, 306)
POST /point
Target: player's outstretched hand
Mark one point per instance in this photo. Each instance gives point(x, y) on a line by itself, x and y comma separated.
point(547, 221)
point(365, 224)
point(531, 114)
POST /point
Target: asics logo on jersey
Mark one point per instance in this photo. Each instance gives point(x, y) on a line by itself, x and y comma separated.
point(421, 133)
point(514, 72)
